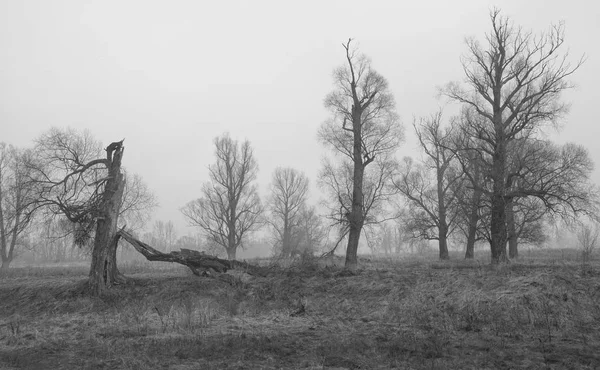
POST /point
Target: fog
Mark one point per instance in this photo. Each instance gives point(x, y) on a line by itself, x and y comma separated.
point(170, 76)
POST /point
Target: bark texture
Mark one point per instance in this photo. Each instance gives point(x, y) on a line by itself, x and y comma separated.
point(103, 271)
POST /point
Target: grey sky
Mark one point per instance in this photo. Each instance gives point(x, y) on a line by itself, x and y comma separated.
point(169, 76)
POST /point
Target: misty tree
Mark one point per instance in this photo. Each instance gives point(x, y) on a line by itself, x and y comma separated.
point(432, 189)
point(587, 234)
point(311, 231)
point(229, 207)
point(364, 127)
point(51, 239)
point(514, 84)
point(77, 182)
point(289, 190)
point(471, 201)
point(17, 200)
point(556, 176)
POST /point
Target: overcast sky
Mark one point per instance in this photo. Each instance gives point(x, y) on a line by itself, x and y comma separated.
point(169, 76)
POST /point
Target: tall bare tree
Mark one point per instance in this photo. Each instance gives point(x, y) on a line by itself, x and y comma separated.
point(514, 84)
point(17, 200)
point(289, 190)
point(229, 207)
point(432, 189)
point(364, 126)
point(77, 182)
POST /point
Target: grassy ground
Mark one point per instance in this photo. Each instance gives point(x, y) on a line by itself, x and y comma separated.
point(540, 312)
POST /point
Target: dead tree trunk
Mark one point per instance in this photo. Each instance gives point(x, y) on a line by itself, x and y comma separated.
point(103, 270)
point(199, 263)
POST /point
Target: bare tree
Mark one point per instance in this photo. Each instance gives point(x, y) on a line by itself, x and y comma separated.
point(543, 179)
point(17, 198)
point(289, 189)
point(75, 181)
point(432, 189)
point(475, 166)
point(525, 223)
point(587, 236)
point(471, 204)
point(514, 84)
point(380, 237)
point(229, 207)
point(311, 232)
point(557, 175)
point(364, 127)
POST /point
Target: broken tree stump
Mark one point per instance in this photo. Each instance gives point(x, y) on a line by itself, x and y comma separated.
point(200, 263)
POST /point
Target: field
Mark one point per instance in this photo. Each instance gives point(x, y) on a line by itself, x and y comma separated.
point(406, 313)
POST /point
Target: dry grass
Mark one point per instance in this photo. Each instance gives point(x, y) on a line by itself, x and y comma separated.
point(401, 313)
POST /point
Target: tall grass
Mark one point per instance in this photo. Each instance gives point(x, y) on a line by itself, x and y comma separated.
point(414, 312)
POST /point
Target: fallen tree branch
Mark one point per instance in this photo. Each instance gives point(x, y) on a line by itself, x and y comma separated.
point(342, 236)
point(200, 263)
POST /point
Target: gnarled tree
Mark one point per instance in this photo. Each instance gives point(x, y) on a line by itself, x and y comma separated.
point(364, 127)
point(229, 207)
point(311, 232)
point(75, 181)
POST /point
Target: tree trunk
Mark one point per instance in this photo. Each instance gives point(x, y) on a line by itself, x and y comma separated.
point(511, 230)
point(443, 242)
point(471, 234)
point(498, 230)
point(443, 223)
point(352, 249)
point(115, 275)
point(356, 218)
point(472, 227)
point(5, 264)
point(231, 253)
point(9, 250)
point(103, 267)
point(498, 205)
